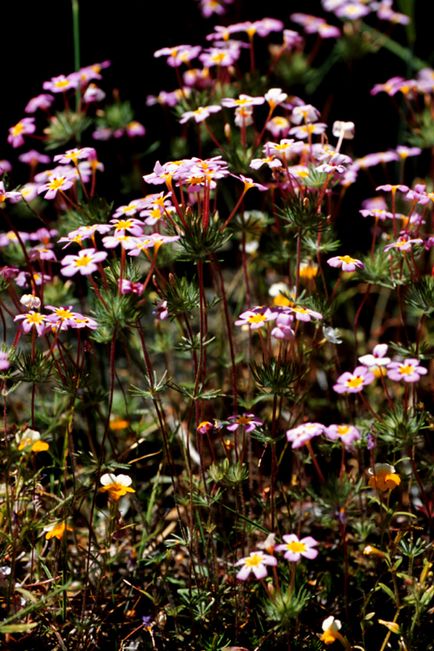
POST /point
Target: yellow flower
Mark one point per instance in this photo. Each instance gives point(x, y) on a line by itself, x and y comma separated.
point(118, 424)
point(331, 627)
point(383, 477)
point(57, 531)
point(30, 438)
point(392, 626)
point(116, 485)
point(308, 270)
point(370, 550)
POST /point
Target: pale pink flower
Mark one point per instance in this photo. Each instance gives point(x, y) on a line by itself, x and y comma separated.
point(301, 434)
point(256, 318)
point(403, 243)
point(56, 183)
point(409, 370)
point(84, 263)
point(200, 114)
point(377, 358)
point(19, 130)
point(31, 320)
point(345, 262)
point(347, 434)
point(179, 54)
point(257, 563)
point(43, 102)
point(60, 84)
point(295, 548)
point(243, 100)
point(354, 382)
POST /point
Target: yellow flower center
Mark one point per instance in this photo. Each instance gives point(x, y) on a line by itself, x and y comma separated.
point(17, 129)
point(406, 369)
point(124, 223)
point(347, 259)
point(257, 318)
point(343, 430)
point(296, 547)
point(35, 318)
point(55, 184)
point(254, 560)
point(83, 261)
point(355, 382)
point(63, 314)
point(61, 83)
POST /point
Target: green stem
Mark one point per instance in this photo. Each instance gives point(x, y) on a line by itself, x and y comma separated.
point(76, 39)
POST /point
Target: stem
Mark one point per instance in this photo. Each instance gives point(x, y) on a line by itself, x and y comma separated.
point(76, 39)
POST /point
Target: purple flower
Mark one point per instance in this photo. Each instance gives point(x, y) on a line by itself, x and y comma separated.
point(248, 421)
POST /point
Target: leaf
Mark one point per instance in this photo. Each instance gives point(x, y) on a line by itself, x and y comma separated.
point(18, 628)
point(386, 589)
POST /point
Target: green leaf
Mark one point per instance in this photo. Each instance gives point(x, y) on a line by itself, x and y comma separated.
point(386, 589)
point(18, 628)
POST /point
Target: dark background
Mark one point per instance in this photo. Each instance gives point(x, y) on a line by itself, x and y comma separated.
point(37, 44)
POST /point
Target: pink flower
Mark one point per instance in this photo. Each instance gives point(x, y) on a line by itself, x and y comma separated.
point(33, 157)
point(56, 183)
point(243, 101)
point(60, 84)
point(409, 370)
point(130, 225)
point(348, 434)
point(75, 155)
point(256, 562)
point(304, 313)
point(345, 262)
point(295, 548)
point(283, 328)
point(31, 320)
point(84, 262)
point(4, 360)
point(19, 130)
point(354, 382)
point(135, 129)
point(93, 94)
point(307, 130)
point(200, 114)
point(403, 243)
point(130, 287)
point(301, 434)
point(12, 195)
point(43, 102)
point(256, 318)
point(377, 358)
point(178, 54)
point(304, 113)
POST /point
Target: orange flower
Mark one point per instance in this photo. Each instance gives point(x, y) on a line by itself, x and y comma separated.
point(57, 531)
point(30, 438)
point(383, 477)
point(116, 485)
